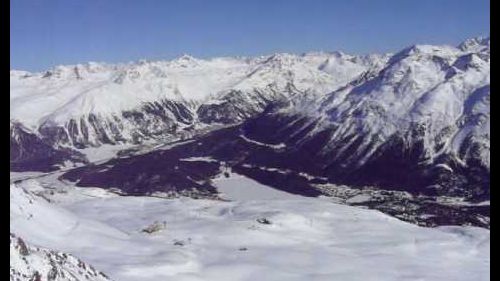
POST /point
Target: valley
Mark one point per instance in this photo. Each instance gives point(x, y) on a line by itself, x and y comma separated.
point(322, 165)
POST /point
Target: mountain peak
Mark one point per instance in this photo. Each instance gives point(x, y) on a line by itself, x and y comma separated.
point(424, 49)
point(185, 61)
point(475, 44)
point(186, 57)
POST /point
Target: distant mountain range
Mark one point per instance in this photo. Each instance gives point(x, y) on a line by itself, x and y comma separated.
point(415, 121)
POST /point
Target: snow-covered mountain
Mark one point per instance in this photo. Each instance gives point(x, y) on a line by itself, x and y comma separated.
point(92, 104)
point(422, 122)
point(416, 121)
point(273, 149)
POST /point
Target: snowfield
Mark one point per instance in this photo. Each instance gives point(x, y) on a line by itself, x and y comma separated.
point(287, 238)
point(237, 187)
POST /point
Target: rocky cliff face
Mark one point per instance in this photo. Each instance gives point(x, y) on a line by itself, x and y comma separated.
point(29, 263)
point(30, 152)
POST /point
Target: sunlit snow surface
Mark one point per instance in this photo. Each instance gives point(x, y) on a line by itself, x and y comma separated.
point(73, 91)
point(307, 238)
point(237, 187)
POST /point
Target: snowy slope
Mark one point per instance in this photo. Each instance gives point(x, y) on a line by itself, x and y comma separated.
point(433, 86)
point(424, 119)
point(238, 187)
point(96, 103)
point(284, 239)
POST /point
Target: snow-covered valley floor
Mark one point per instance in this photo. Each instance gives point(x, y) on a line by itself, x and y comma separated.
point(258, 236)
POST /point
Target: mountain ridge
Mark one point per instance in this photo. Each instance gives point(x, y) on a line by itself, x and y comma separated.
point(415, 121)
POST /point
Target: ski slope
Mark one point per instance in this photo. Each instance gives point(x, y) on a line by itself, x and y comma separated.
point(300, 238)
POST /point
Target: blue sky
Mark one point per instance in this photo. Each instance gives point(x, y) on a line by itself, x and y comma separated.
point(45, 33)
